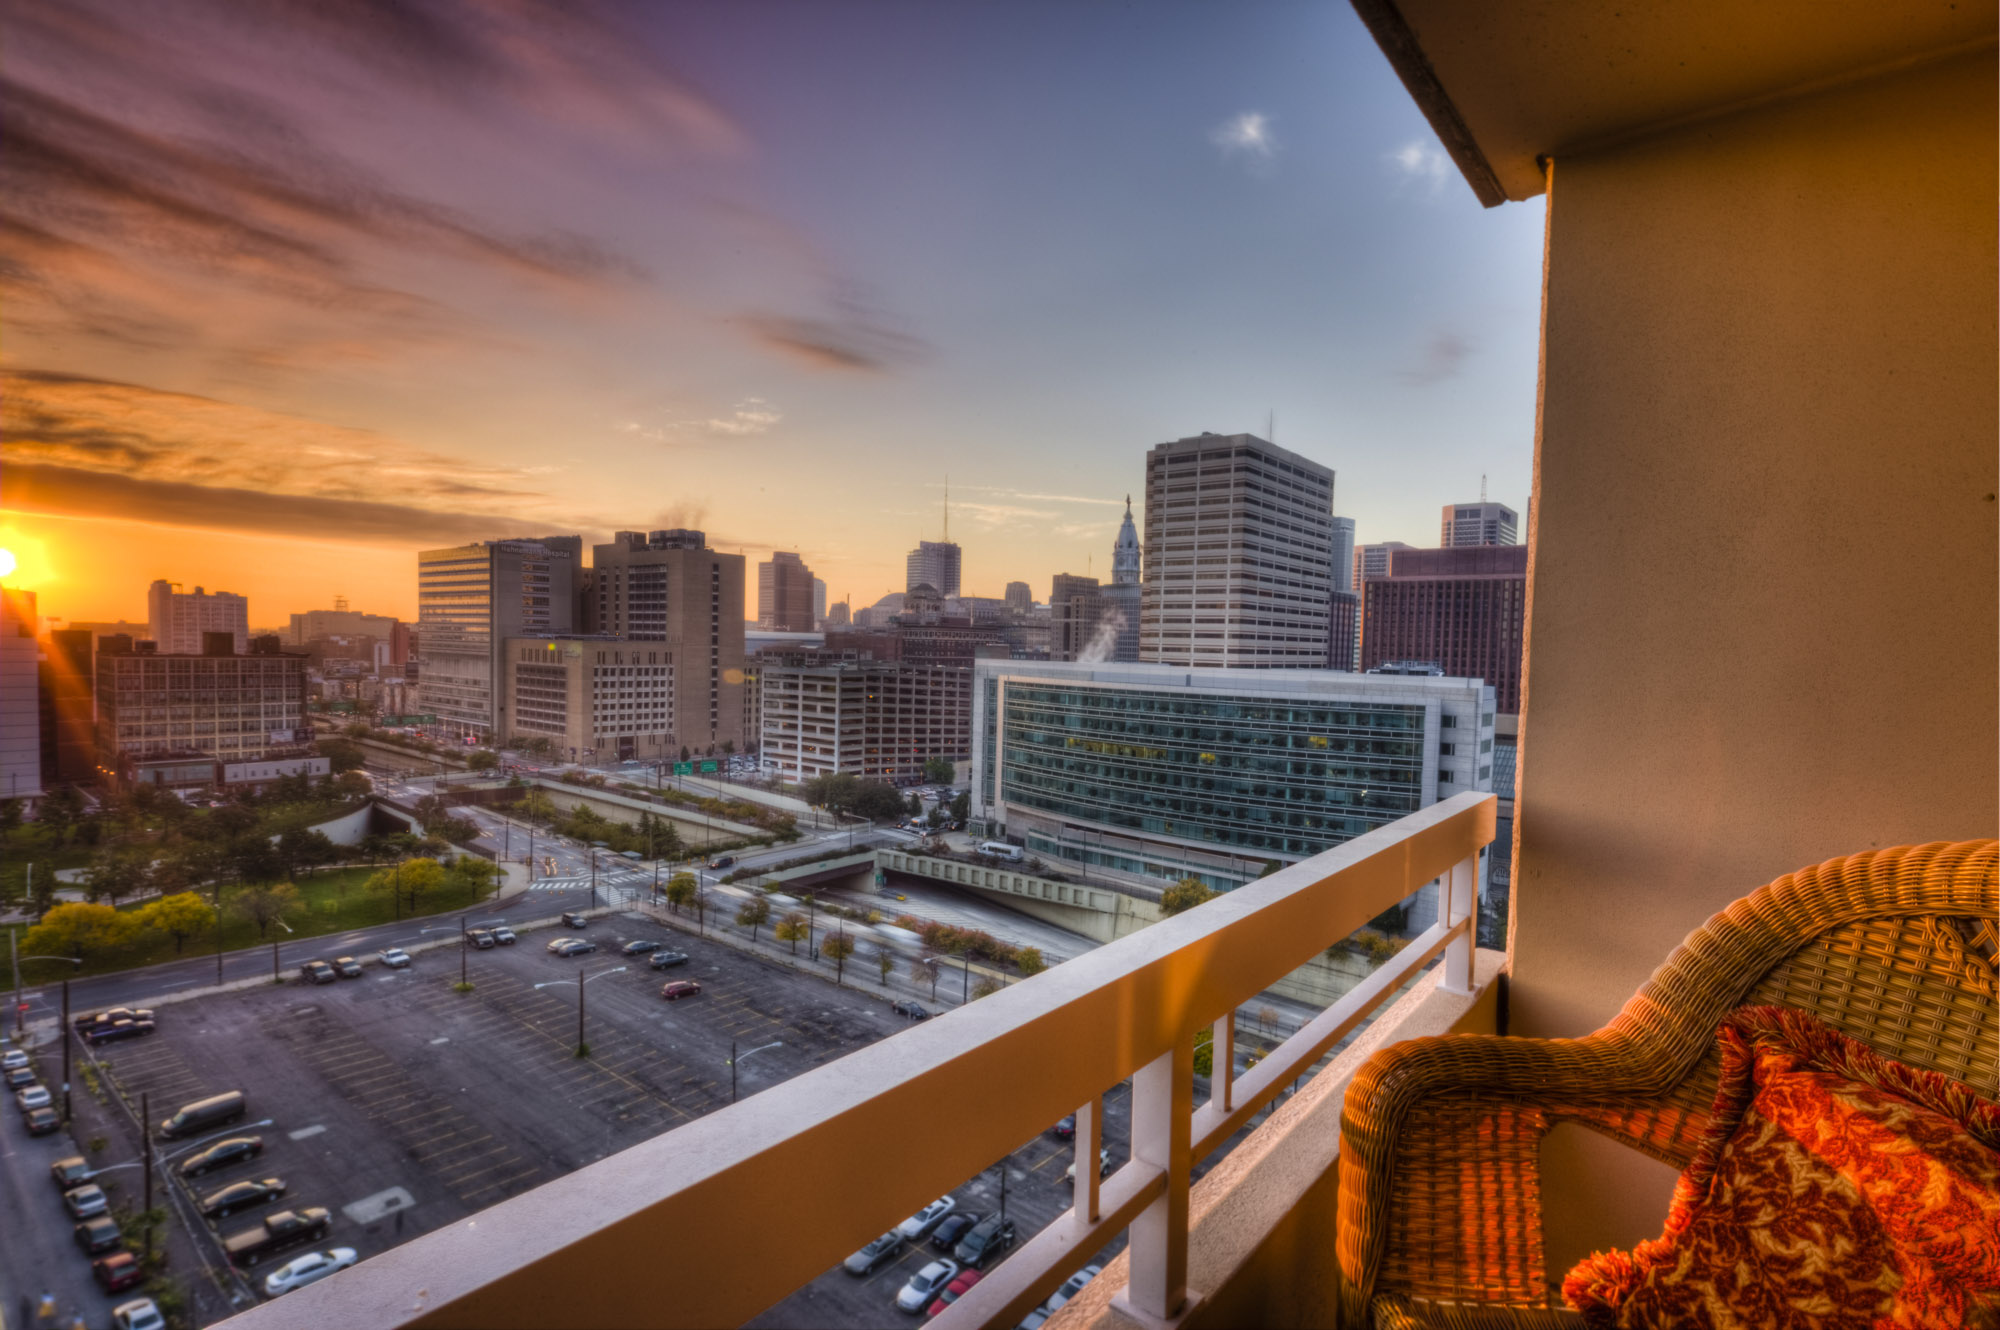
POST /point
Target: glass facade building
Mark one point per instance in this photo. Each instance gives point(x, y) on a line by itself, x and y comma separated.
point(1168, 772)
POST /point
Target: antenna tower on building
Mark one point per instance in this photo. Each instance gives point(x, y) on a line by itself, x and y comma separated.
point(1482, 487)
point(947, 507)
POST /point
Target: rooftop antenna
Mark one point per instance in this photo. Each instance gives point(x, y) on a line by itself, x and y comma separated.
point(1271, 427)
point(1482, 487)
point(947, 507)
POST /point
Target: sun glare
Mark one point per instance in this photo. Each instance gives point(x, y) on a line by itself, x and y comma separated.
point(6, 563)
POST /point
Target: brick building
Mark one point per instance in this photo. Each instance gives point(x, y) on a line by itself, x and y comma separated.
point(1462, 608)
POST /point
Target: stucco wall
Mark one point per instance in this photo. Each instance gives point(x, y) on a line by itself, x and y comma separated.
point(1762, 592)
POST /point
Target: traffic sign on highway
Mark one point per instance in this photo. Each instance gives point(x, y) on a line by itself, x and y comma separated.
point(709, 766)
point(684, 768)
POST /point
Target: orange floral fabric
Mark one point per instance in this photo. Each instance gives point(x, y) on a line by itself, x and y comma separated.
point(1835, 1188)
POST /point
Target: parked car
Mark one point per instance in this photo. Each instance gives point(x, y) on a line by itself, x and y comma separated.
point(679, 989)
point(42, 1121)
point(575, 946)
point(86, 1201)
point(955, 1290)
point(911, 1010)
point(12, 1058)
point(138, 1314)
point(107, 1034)
point(986, 1240)
point(111, 1014)
point(71, 1172)
point(1065, 1130)
point(865, 1261)
point(557, 944)
point(31, 1097)
point(664, 960)
point(318, 972)
point(98, 1236)
point(221, 1155)
point(241, 1196)
point(117, 1272)
point(278, 1232)
point(214, 1111)
point(1103, 1166)
point(639, 946)
point(924, 1286)
point(347, 967)
point(479, 939)
point(575, 919)
point(17, 1077)
point(952, 1229)
point(505, 937)
point(1071, 1287)
point(919, 1225)
point(396, 958)
point(307, 1269)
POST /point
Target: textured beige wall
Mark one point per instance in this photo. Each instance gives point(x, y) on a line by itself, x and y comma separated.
point(1762, 606)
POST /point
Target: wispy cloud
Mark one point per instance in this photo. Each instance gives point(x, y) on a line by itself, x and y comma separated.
point(753, 415)
point(1248, 135)
point(1004, 492)
point(1444, 355)
point(1422, 164)
point(80, 446)
point(836, 344)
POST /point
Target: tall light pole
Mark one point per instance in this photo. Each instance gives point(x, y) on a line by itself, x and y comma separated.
point(19, 1002)
point(582, 1049)
point(734, 1059)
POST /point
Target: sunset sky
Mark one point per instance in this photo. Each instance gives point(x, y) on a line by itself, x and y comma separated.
point(293, 290)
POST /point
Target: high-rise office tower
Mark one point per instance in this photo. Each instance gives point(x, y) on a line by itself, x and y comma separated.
point(784, 594)
point(1369, 561)
point(1019, 598)
point(1463, 609)
point(1122, 598)
point(470, 600)
point(1344, 577)
point(68, 694)
point(668, 586)
point(819, 603)
point(837, 615)
point(1479, 523)
point(20, 696)
point(176, 619)
point(1238, 554)
point(934, 563)
point(1075, 606)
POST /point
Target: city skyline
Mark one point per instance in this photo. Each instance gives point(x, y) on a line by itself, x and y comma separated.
point(695, 258)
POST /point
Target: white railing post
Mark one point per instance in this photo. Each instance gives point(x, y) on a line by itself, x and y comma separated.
point(1222, 1062)
point(1162, 1130)
point(1089, 1139)
point(1461, 902)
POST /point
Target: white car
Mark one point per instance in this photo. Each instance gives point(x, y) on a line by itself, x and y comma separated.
point(396, 958)
point(32, 1096)
point(303, 1270)
point(1103, 1166)
point(1071, 1287)
point(138, 1314)
point(925, 1285)
point(919, 1225)
point(12, 1058)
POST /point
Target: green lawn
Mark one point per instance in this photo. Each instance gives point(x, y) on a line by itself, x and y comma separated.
point(332, 902)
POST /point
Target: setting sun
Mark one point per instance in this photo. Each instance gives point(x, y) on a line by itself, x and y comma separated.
point(6, 563)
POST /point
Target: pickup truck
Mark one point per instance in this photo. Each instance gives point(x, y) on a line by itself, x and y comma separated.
point(285, 1229)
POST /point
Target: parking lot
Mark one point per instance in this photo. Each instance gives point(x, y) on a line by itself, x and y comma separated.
point(401, 1105)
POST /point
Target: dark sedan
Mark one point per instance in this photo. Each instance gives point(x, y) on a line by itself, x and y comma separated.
point(20, 1076)
point(222, 1154)
point(347, 967)
point(42, 1121)
point(988, 1238)
point(116, 1030)
point(241, 1196)
point(98, 1236)
point(639, 947)
point(666, 960)
point(952, 1229)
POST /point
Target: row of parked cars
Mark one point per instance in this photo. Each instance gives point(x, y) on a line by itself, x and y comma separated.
point(971, 1241)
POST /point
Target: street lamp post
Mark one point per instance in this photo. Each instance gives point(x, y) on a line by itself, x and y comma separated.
point(19, 1002)
point(462, 949)
point(734, 1059)
point(582, 1049)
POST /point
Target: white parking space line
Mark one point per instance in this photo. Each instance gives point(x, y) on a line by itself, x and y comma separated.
point(303, 1132)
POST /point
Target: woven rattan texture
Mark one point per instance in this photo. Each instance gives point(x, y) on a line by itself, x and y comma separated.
point(1394, 1312)
point(1439, 1185)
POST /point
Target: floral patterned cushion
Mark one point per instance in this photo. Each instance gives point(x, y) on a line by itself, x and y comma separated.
point(1834, 1188)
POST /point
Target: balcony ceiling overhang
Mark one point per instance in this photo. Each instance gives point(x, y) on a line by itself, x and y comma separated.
point(1507, 84)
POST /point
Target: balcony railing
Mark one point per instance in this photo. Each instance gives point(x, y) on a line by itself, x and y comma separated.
point(677, 1231)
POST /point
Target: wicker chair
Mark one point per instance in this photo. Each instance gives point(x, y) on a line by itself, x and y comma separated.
point(1440, 1203)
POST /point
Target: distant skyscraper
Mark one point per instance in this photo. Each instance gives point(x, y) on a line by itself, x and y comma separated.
point(470, 600)
point(176, 620)
point(784, 594)
point(1478, 524)
point(1019, 598)
point(1343, 555)
point(819, 603)
point(1369, 561)
point(1075, 605)
point(934, 563)
point(837, 615)
point(670, 587)
point(1238, 554)
point(1464, 609)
